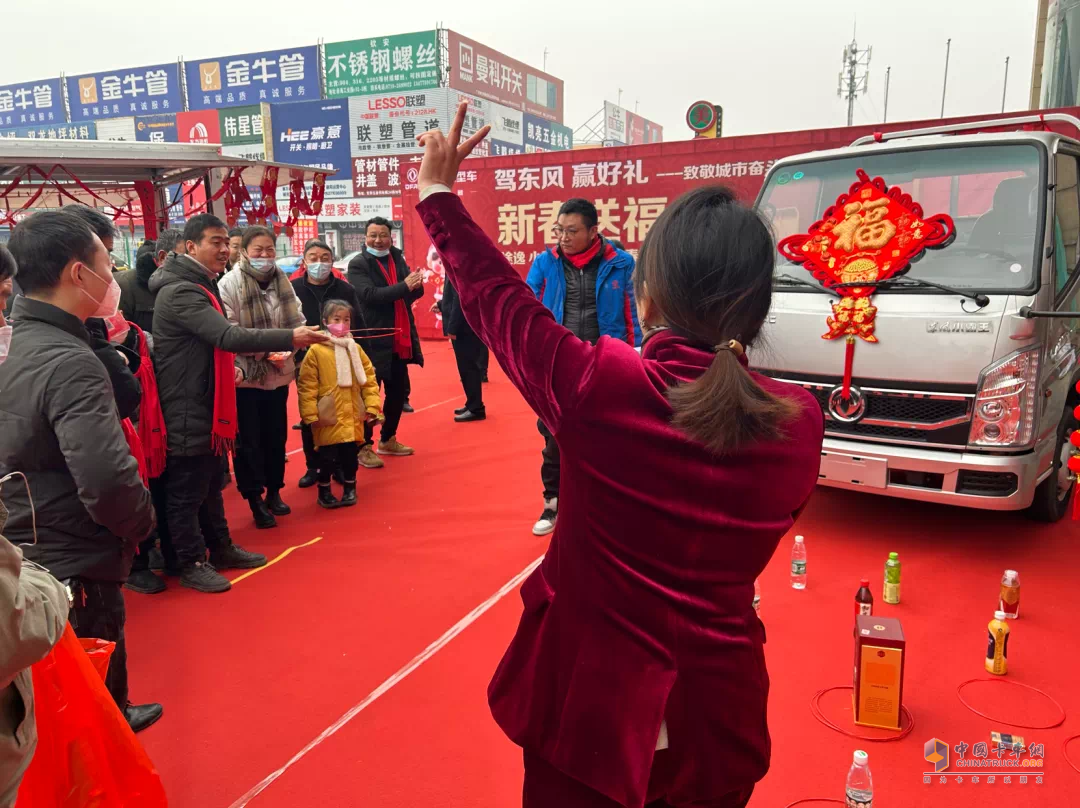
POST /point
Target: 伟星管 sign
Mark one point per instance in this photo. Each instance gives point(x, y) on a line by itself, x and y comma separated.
point(125, 93)
point(31, 103)
point(203, 126)
point(405, 62)
point(242, 126)
point(389, 123)
point(156, 129)
point(250, 78)
point(314, 134)
point(486, 73)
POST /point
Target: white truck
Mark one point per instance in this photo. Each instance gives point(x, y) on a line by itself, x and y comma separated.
point(968, 396)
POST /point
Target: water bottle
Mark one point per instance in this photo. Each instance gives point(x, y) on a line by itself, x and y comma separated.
point(798, 564)
point(859, 792)
point(757, 594)
point(892, 580)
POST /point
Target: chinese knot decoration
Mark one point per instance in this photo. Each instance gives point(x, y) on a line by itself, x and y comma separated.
point(872, 233)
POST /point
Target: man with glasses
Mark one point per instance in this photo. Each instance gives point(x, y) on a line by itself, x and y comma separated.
point(585, 282)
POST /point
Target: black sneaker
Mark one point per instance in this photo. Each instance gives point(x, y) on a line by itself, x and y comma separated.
point(144, 582)
point(202, 577)
point(327, 499)
point(263, 518)
point(140, 716)
point(298, 426)
point(348, 496)
point(276, 505)
point(311, 476)
point(235, 557)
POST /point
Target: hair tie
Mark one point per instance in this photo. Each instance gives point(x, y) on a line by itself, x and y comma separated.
point(732, 345)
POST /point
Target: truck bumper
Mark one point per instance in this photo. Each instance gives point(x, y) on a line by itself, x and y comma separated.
point(988, 482)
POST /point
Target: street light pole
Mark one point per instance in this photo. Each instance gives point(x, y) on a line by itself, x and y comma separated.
point(1005, 86)
point(945, 83)
point(888, 72)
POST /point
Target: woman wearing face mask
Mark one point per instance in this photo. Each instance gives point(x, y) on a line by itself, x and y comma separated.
point(338, 396)
point(315, 283)
point(258, 295)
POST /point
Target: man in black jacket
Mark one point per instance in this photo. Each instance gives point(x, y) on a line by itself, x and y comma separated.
point(471, 354)
point(60, 427)
point(386, 289)
point(187, 331)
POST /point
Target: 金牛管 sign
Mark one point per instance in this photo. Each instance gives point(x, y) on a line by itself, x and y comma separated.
point(405, 62)
point(31, 103)
point(250, 78)
point(125, 93)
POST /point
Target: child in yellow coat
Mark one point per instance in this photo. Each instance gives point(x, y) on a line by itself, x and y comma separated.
point(338, 393)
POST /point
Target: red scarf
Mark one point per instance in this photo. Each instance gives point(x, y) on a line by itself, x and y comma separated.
point(402, 331)
point(136, 448)
point(582, 259)
point(223, 432)
point(151, 420)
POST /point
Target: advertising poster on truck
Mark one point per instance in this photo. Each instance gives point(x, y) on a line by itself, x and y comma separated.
point(31, 102)
point(387, 64)
point(250, 78)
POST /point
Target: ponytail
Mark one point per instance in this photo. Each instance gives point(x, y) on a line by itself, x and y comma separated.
point(724, 409)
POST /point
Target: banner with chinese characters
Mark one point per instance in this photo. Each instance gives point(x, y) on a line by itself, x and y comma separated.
point(124, 93)
point(487, 73)
point(156, 129)
point(203, 126)
point(626, 127)
point(116, 129)
point(242, 126)
point(314, 133)
point(63, 131)
point(303, 231)
point(32, 102)
point(250, 78)
point(357, 209)
point(500, 148)
point(401, 63)
point(390, 123)
point(544, 136)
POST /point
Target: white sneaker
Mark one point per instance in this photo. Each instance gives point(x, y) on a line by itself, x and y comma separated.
point(546, 523)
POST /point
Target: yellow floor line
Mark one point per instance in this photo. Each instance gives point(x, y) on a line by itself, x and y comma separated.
point(272, 562)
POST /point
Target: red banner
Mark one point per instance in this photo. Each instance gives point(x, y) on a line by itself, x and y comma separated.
point(198, 127)
point(516, 199)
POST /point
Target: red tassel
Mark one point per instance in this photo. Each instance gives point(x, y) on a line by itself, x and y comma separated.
point(849, 361)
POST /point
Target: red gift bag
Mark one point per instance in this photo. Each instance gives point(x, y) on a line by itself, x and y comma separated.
point(100, 652)
point(87, 756)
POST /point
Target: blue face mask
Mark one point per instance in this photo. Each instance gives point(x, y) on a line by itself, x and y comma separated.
point(263, 266)
point(318, 271)
point(378, 253)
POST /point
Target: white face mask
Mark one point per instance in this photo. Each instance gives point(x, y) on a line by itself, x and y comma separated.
point(318, 271)
point(108, 305)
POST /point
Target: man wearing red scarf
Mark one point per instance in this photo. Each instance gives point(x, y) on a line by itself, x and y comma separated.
point(585, 282)
point(387, 289)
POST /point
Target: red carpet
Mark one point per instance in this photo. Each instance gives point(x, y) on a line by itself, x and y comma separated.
point(249, 678)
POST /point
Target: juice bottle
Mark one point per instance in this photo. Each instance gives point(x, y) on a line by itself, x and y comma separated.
point(997, 646)
point(1009, 599)
point(864, 600)
point(892, 579)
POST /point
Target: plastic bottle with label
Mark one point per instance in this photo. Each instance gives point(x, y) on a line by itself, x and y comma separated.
point(859, 790)
point(864, 600)
point(798, 564)
point(997, 645)
point(892, 580)
point(1009, 598)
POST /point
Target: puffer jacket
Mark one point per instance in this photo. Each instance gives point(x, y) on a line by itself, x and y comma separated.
point(318, 378)
point(284, 313)
point(186, 331)
point(59, 427)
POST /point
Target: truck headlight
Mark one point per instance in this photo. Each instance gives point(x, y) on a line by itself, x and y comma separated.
point(1004, 413)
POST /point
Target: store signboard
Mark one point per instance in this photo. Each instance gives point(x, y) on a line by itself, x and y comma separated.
point(156, 129)
point(401, 63)
point(121, 93)
point(203, 126)
point(250, 78)
point(32, 102)
point(389, 123)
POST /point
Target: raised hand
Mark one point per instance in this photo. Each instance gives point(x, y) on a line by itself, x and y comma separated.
point(443, 153)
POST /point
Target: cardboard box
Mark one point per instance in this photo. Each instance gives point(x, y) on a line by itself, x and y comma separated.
point(880, 650)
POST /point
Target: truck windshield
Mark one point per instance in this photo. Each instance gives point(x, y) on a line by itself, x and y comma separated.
point(991, 192)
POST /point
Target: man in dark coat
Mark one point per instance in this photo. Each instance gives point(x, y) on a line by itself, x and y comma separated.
point(471, 355)
point(189, 335)
point(60, 427)
point(386, 289)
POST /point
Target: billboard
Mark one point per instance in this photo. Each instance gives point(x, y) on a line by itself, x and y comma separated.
point(116, 129)
point(357, 209)
point(405, 62)
point(250, 78)
point(486, 73)
point(543, 136)
point(242, 126)
point(623, 127)
point(124, 93)
point(32, 102)
point(389, 123)
point(316, 134)
point(500, 148)
point(199, 127)
point(156, 129)
point(63, 131)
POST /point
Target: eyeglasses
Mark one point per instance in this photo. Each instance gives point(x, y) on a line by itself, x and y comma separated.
point(569, 232)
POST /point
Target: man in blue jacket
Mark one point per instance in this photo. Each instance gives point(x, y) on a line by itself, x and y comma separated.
point(585, 281)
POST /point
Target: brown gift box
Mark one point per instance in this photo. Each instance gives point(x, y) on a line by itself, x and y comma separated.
point(879, 671)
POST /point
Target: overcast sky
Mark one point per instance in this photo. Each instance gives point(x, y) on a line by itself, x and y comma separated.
point(772, 64)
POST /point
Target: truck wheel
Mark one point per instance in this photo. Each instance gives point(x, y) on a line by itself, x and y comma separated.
point(1054, 494)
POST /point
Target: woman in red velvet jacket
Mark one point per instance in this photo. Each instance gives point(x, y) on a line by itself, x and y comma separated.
point(637, 673)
